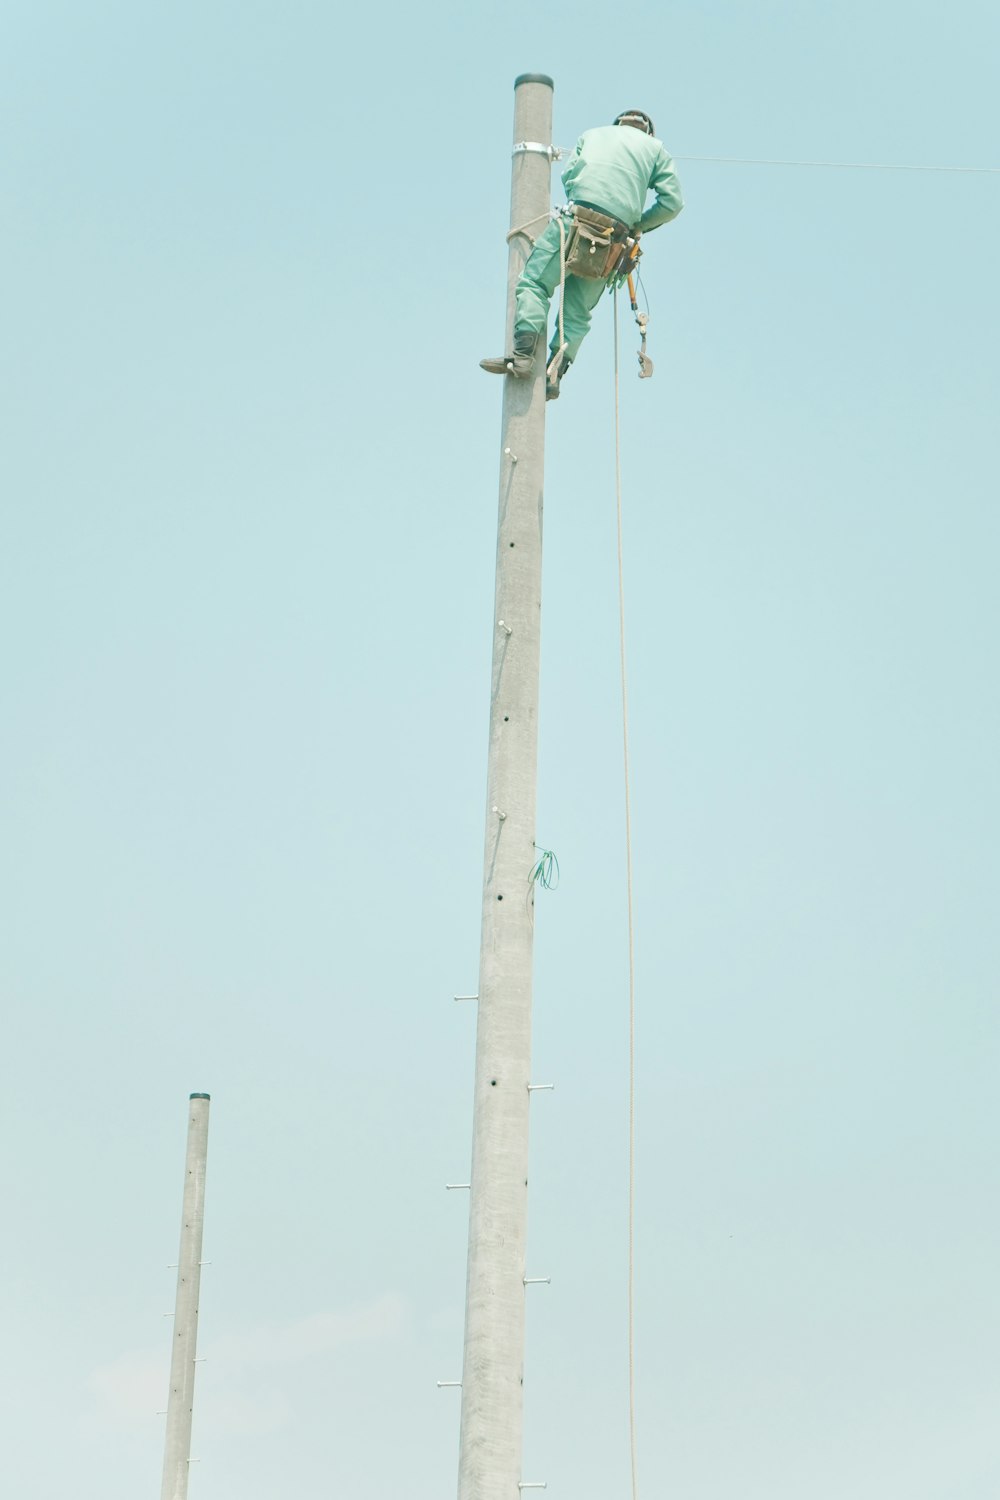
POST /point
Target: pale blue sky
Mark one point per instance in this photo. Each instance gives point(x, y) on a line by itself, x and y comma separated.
point(253, 254)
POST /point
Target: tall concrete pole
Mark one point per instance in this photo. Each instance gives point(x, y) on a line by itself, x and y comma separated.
point(180, 1403)
point(493, 1363)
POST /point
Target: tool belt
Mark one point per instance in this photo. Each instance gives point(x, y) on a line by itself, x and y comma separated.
point(595, 243)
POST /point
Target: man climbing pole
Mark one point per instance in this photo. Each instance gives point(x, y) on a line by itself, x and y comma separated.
point(607, 180)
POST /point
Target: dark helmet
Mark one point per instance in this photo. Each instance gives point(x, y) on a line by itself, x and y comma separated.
point(638, 118)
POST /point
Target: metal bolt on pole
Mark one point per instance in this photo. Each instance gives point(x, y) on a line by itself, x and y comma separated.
point(180, 1403)
point(493, 1362)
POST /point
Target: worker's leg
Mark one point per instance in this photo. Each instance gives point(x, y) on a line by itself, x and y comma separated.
point(580, 297)
point(537, 282)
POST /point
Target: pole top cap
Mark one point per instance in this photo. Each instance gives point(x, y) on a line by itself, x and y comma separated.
point(533, 78)
point(201, 1096)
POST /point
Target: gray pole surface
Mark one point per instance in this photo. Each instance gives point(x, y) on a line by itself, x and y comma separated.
point(180, 1403)
point(493, 1362)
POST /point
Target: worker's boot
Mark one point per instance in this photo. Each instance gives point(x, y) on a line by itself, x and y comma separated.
point(553, 376)
point(521, 363)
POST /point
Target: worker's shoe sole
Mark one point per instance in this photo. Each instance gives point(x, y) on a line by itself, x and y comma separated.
point(521, 366)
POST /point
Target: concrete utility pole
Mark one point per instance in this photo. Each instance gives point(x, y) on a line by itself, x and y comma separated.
point(493, 1363)
point(180, 1403)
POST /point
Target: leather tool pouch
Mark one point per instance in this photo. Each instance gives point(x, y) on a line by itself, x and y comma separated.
point(594, 244)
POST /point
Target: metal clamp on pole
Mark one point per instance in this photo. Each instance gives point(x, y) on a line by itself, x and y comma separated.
point(554, 153)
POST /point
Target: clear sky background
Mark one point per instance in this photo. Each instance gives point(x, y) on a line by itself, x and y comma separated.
point(252, 255)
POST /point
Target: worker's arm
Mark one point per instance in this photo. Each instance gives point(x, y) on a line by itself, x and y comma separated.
point(668, 194)
point(571, 168)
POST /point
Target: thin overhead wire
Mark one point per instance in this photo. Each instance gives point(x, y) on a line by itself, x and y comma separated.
point(846, 166)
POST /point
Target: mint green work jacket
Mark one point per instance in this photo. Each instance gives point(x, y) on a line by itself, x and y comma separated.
point(615, 167)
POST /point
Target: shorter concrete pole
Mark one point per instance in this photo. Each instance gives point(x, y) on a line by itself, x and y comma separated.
point(180, 1402)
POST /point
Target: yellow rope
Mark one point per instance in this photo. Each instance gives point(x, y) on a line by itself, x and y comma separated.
point(631, 935)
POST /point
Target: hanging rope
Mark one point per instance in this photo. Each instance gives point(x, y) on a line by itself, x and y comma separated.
point(631, 933)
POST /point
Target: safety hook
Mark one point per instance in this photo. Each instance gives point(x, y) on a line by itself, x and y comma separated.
point(642, 319)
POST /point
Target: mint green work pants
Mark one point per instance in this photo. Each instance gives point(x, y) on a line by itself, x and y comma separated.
point(535, 289)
